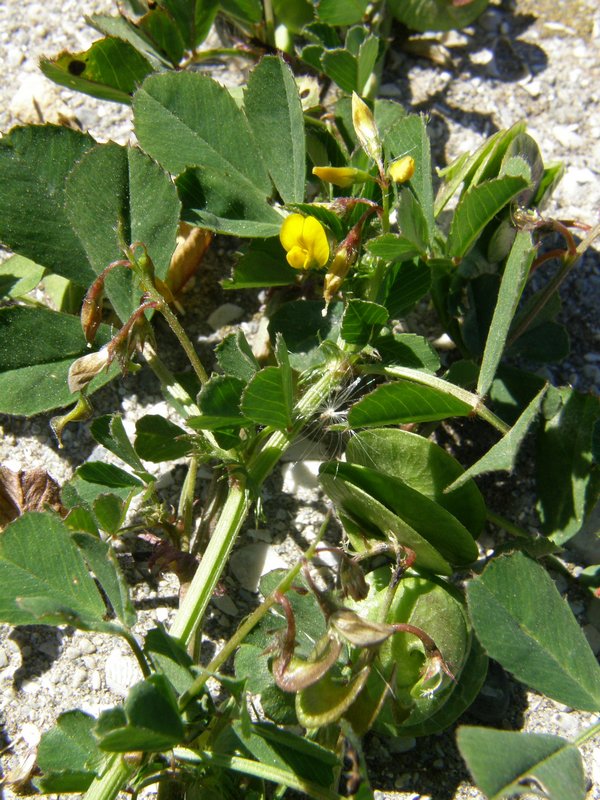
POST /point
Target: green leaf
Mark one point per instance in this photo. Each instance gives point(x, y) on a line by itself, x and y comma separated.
point(304, 329)
point(274, 111)
point(41, 568)
point(102, 561)
point(164, 34)
point(503, 455)
point(342, 67)
point(170, 657)
point(513, 282)
point(247, 11)
point(568, 483)
point(68, 755)
point(111, 69)
point(276, 747)
point(362, 320)
point(37, 347)
point(19, 276)
point(422, 514)
point(510, 764)
point(368, 54)
point(294, 15)
point(265, 400)
point(401, 402)
point(34, 162)
point(376, 520)
point(109, 431)
point(412, 222)
point(149, 721)
point(478, 206)
point(201, 117)
point(219, 402)
point(522, 622)
point(122, 27)
point(407, 349)
point(236, 358)
point(424, 466)
point(470, 168)
point(341, 12)
point(391, 247)
point(109, 512)
point(435, 15)
point(108, 475)
point(134, 201)
point(407, 283)
point(262, 264)
point(409, 137)
point(220, 201)
point(158, 439)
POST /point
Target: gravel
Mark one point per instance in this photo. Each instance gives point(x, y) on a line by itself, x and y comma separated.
point(534, 59)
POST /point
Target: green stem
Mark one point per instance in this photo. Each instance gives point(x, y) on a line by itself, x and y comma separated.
point(213, 562)
point(137, 652)
point(237, 505)
point(569, 261)
point(250, 622)
point(186, 504)
point(506, 525)
point(112, 780)
point(246, 766)
point(180, 399)
point(269, 22)
point(184, 341)
point(587, 734)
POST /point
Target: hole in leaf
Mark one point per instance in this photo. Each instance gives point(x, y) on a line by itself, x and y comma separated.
point(76, 67)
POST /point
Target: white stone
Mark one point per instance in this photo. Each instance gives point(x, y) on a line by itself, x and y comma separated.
point(121, 673)
point(226, 605)
point(250, 563)
point(224, 315)
point(303, 474)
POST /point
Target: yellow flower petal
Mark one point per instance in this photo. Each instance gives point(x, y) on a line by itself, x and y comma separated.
point(315, 241)
point(291, 231)
point(402, 169)
point(297, 257)
point(339, 176)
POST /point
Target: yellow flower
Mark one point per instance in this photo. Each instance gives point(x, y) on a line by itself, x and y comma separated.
point(402, 169)
point(305, 241)
point(339, 176)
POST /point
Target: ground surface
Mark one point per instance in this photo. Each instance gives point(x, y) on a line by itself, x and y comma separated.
point(536, 60)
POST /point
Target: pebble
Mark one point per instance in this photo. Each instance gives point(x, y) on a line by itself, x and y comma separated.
point(3, 658)
point(224, 315)
point(250, 563)
point(86, 647)
point(567, 724)
point(121, 673)
point(79, 677)
point(95, 681)
point(226, 605)
point(88, 662)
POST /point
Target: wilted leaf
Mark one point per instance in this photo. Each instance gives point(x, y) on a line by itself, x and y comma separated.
point(27, 490)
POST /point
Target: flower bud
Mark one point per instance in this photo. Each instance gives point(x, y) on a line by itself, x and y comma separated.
point(342, 176)
point(91, 310)
point(336, 274)
point(402, 169)
point(366, 130)
point(87, 367)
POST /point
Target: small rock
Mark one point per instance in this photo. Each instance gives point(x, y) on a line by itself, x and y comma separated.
point(72, 652)
point(30, 687)
point(79, 677)
point(568, 725)
point(224, 315)
point(226, 605)
point(30, 734)
point(403, 744)
point(250, 563)
point(121, 673)
point(95, 681)
point(88, 662)
point(86, 647)
point(3, 658)
point(596, 766)
point(162, 614)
